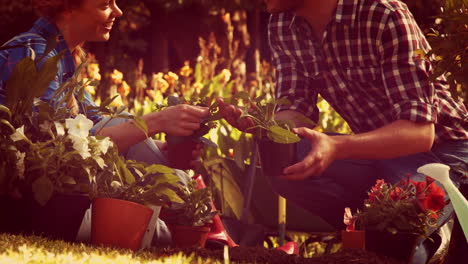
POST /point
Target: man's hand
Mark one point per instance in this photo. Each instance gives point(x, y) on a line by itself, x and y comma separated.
point(232, 115)
point(322, 154)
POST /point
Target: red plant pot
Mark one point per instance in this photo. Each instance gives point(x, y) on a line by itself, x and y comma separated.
point(353, 239)
point(119, 223)
point(180, 152)
point(189, 236)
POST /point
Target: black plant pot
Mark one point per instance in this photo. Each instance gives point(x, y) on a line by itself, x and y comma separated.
point(275, 157)
point(60, 218)
point(179, 151)
point(400, 246)
point(14, 218)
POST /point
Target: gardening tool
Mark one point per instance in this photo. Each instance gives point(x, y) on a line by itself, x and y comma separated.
point(440, 172)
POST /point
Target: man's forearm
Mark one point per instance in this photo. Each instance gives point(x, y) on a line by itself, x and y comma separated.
point(397, 139)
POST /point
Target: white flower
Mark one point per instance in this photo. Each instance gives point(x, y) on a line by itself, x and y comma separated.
point(79, 126)
point(104, 144)
point(80, 144)
point(60, 129)
point(116, 184)
point(20, 163)
point(18, 135)
point(45, 127)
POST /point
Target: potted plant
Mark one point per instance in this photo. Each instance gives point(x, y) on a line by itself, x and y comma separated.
point(395, 216)
point(350, 237)
point(188, 221)
point(121, 207)
point(48, 155)
point(45, 181)
point(276, 141)
point(179, 148)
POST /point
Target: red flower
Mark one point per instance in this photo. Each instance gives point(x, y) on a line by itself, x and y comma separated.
point(396, 194)
point(435, 198)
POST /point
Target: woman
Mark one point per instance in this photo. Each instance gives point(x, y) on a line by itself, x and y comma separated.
point(74, 22)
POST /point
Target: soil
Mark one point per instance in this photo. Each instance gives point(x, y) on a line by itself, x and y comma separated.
point(272, 256)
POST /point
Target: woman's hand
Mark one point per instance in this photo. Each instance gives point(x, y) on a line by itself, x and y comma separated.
point(322, 154)
point(178, 120)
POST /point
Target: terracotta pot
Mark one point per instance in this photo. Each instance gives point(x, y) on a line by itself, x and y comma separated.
point(60, 218)
point(179, 151)
point(119, 223)
point(189, 236)
point(275, 157)
point(353, 239)
point(400, 246)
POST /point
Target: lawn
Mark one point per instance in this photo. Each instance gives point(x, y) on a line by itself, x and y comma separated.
point(35, 249)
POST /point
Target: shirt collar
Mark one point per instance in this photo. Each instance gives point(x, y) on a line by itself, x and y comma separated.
point(345, 11)
point(47, 30)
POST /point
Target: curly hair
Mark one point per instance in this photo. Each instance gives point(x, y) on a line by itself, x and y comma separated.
point(52, 8)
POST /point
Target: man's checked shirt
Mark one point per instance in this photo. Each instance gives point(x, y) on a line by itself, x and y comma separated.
point(36, 39)
point(366, 66)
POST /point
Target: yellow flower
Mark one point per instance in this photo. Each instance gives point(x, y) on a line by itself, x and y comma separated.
point(124, 89)
point(171, 78)
point(186, 71)
point(116, 77)
point(197, 87)
point(158, 83)
point(93, 71)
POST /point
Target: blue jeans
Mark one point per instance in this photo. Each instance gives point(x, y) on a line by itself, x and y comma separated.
point(346, 182)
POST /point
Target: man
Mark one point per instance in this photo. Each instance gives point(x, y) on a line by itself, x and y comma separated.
point(360, 56)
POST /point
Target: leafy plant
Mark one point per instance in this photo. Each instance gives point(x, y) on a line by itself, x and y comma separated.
point(258, 118)
point(449, 41)
point(46, 147)
point(155, 184)
point(407, 206)
point(196, 209)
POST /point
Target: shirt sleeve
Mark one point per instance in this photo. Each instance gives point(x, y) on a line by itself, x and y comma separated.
point(291, 83)
point(404, 73)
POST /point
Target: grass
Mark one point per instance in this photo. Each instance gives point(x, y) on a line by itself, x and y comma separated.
point(16, 249)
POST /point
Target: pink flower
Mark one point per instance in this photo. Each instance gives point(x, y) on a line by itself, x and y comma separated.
point(349, 220)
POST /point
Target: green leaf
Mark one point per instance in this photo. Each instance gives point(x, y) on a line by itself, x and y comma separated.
point(5, 110)
point(140, 123)
point(281, 135)
point(46, 74)
point(68, 180)
point(158, 168)
point(51, 44)
point(7, 124)
point(19, 84)
point(170, 194)
point(242, 95)
point(43, 189)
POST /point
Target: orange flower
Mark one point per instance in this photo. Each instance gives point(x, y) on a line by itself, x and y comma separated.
point(116, 77)
point(171, 78)
point(186, 71)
